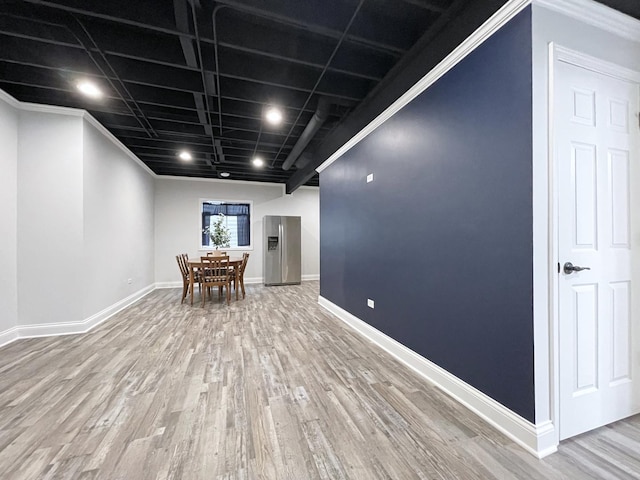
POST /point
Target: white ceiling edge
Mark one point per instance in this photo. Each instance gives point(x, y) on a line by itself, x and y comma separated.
point(282, 186)
point(9, 99)
point(182, 178)
point(596, 15)
point(588, 11)
point(74, 112)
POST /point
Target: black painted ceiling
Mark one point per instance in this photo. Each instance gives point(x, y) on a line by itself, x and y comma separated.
point(198, 75)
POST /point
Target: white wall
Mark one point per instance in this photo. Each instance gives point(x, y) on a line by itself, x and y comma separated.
point(50, 272)
point(77, 210)
point(8, 216)
point(177, 221)
point(118, 223)
point(582, 36)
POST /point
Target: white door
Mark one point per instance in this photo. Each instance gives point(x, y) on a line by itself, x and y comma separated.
point(596, 150)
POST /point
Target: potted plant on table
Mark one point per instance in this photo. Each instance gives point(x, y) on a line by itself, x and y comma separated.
point(219, 233)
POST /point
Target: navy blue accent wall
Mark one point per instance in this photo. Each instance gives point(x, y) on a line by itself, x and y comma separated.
point(442, 238)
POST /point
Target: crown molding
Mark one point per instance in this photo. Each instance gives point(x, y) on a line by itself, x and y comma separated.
point(221, 180)
point(583, 60)
point(9, 99)
point(597, 15)
point(53, 109)
point(282, 186)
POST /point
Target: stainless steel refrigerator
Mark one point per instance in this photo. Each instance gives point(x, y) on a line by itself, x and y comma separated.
point(282, 250)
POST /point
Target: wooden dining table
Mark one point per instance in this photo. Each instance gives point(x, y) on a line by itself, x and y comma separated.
point(195, 263)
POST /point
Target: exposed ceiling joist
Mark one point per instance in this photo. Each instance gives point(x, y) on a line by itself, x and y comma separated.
point(427, 5)
point(330, 33)
point(200, 76)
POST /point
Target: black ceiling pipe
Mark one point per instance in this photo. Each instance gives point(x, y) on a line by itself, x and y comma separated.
point(319, 117)
point(303, 159)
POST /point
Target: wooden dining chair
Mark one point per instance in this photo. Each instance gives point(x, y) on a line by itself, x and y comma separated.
point(183, 264)
point(215, 272)
point(241, 268)
point(184, 272)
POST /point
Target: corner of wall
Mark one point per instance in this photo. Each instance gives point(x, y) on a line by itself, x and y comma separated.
point(8, 216)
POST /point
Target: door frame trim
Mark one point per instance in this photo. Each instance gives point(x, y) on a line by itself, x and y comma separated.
point(557, 54)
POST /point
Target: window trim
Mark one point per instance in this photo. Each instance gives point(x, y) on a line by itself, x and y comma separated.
point(208, 248)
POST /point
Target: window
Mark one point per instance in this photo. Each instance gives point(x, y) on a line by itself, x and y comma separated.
point(237, 219)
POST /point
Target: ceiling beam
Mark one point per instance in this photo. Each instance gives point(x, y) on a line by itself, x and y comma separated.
point(189, 67)
point(196, 158)
point(241, 152)
point(153, 116)
point(327, 32)
point(183, 11)
point(348, 98)
point(426, 5)
point(294, 88)
point(186, 41)
point(234, 170)
point(82, 35)
point(124, 138)
point(305, 63)
point(317, 29)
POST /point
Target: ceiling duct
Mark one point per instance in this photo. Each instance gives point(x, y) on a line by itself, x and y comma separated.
point(305, 158)
point(319, 117)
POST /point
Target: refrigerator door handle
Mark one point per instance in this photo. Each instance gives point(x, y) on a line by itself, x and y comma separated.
point(283, 249)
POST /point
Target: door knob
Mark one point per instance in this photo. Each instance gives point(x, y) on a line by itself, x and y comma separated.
point(569, 268)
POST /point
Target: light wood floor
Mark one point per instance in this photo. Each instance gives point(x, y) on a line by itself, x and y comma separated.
point(271, 387)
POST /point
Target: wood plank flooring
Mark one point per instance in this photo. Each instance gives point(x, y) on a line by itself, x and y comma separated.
point(271, 387)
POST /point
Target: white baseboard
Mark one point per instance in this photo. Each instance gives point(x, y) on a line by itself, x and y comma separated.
point(8, 336)
point(177, 284)
point(72, 328)
point(309, 278)
point(538, 440)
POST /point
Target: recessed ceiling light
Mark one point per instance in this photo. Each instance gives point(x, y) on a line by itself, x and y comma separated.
point(258, 162)
point(274, 116)
point(89, 89)
point(225, 174)
point(184, 155)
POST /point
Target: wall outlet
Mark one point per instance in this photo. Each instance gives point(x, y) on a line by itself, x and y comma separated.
point(370, 303)
point(129, 281)
point(370, 178)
